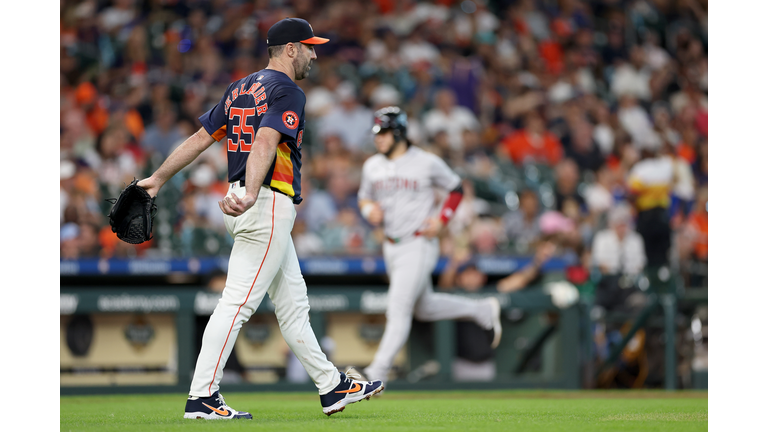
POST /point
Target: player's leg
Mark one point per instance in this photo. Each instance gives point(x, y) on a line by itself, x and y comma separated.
point(262, 236)
point(408, 267)
point(432, 306)
point(289, 295)
point(288, 292)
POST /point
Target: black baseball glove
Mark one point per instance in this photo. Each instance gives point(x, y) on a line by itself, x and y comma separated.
point(132, 214)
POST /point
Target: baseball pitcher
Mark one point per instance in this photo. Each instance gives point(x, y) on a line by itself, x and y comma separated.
point(262, 118)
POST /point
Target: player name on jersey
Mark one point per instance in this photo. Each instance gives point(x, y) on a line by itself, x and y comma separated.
point(256, 90)
point(395, 184)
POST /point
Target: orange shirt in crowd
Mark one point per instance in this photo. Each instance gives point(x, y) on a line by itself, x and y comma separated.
point(686, 152)
point(698, 221)
point(134, 124)
point(522, 146)
point(552, 53)
point(87, 97)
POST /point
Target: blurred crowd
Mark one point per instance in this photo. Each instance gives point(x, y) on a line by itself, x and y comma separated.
point(578, 126)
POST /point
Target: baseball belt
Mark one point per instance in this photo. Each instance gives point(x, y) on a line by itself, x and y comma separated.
point(401, 239)
point(241, 183)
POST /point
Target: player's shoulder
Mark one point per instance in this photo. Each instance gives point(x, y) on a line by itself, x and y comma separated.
point(423, 155)
point(374, 161)
point(279, 82)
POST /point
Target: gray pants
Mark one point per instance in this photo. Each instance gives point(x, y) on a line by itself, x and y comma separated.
point(409, 266)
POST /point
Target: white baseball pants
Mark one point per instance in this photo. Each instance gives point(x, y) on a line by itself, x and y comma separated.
point(263, 260)
point(409, 266)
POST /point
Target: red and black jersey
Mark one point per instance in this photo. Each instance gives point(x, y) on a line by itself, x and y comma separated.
point(265, 98)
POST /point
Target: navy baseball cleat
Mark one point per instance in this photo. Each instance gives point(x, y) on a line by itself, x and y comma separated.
point(348, 392)
point(212, 408)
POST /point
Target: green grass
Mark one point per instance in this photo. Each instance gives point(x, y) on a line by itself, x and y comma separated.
point(402, 411)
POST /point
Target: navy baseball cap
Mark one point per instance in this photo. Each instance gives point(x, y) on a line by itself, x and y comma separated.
point(292, 30)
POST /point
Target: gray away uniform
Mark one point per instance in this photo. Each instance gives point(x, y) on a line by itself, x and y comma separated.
point(405, 190)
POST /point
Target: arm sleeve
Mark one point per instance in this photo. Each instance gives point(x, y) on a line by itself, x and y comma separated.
point(216, 118)
point(444, 177)
point(453, 200)
point(284, 109)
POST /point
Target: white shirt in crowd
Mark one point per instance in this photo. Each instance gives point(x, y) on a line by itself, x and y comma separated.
point(598, 198)
point(658, 171)
point(459, 119)
point(625, 256)
point(637, 123)
point(603, 136)
point(628, 80)
point(352, 126)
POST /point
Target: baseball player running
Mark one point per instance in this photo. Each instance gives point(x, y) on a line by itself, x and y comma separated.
point(262, 118)
point(398, 189)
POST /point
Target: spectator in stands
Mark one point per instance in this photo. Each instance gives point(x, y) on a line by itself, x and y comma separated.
point(164, 134)
point(333, 159)
point(662, 124)
point(615, 51)
point(449, 117)
point(88, 240)
point(323, 97)
point(318, 207)
point(687, 143)
point(636, 121)
point(619, 249)
point(533, 144)
point(68, 234)
point(529, 274)
point(485, 235)
point(306, 242)
point(89, 101)
point(207, 191)
point(618, 252)
point(119, 159)
point(598, 195)
point(693, 241)
point(650, 182)
point(341, 188)
point(440, 146)
point(523, 93)
point(522, 225)
point(566, 184)
point(683, 184)
point(349, 120)
point(632, 77)
point(461, 272)
point(656, 56)
point(603, 132)
point(66, 186)
point(583, 149)
point(346, 234)
point(700, 164)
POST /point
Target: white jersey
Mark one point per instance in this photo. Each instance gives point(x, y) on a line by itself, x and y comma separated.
point(404, 188)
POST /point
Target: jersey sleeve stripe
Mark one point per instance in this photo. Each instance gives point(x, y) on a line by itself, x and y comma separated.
point(282, 176)
point(283, 169)
point(220, 133)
